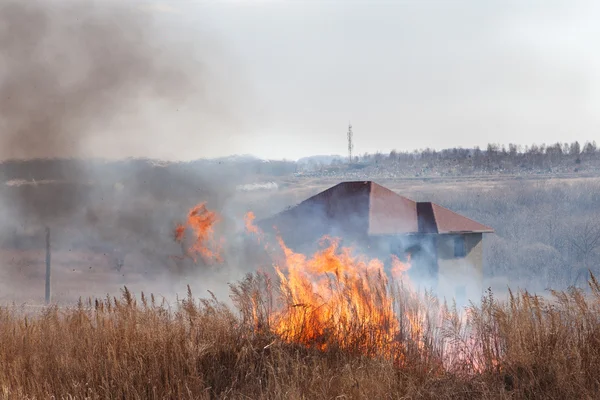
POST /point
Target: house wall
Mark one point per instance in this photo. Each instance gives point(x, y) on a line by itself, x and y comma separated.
point(433, 264)
point(460, 278)
point(424, 268)
point(423, 271)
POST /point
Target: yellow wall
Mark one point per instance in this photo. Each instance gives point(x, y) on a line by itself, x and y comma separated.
point(460, 278)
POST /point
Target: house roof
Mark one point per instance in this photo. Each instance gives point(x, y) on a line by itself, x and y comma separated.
point(365, 206)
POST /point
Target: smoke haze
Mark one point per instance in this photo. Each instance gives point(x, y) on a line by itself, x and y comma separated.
point(100, 79)
point(81, 80)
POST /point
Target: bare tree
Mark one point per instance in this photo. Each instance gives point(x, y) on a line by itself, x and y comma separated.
point(585, 240)
point(575, 149)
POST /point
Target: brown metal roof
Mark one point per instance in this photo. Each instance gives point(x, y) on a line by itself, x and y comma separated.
point(450, 222)
point(426, 217)
point(390, 213)
point(364, 207)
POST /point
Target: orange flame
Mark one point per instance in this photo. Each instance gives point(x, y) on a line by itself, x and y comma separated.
point(331, 299)
point(399, 269)
point(250, 227)
point(336, 299)
point(201, 222)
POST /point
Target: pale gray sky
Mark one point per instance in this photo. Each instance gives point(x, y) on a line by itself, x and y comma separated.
point(410, 74)
point(287, 76)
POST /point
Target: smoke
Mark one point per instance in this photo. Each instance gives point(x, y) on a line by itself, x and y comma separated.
point(346, 215)
point(69, 69)
point(85, 79)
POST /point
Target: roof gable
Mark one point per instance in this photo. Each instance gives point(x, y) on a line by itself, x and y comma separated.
point(450, 222)
point(364, 207)
point(390, 213)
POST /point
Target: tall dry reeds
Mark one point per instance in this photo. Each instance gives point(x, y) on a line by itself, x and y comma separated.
point(527, 347)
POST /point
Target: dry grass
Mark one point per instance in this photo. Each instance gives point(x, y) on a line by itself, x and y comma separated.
point(525, 348)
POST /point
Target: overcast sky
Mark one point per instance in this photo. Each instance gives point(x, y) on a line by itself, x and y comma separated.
point(290, 75)
point(411, 74)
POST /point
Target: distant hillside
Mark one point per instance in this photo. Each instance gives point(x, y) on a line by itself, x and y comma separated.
point(129, 203)
point(241, 169)
point(321, 159)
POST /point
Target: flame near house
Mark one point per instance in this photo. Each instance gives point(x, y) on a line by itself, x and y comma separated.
point(336, 299)
point(333, 299)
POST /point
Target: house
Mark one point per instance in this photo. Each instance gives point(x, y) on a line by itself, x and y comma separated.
point(445, 248)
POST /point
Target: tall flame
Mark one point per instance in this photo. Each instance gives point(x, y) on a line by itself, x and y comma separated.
point(250, 227)
point(336, 299)
point(400, 268)
point(200, 221)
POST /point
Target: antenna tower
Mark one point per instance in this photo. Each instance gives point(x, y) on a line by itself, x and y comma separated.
point(350, 144)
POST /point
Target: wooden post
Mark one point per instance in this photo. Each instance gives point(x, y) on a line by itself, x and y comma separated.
point(47, 265)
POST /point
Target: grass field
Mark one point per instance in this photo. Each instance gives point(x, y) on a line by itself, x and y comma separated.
point(256, 340)
point(139, 348)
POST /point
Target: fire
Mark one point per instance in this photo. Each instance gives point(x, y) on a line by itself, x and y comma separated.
point(336, 299)
point(414, 317)
point(399, 270)
point(332, 299)
point(250, 227)
point(200, 222)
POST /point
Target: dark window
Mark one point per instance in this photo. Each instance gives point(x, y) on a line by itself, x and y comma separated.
point(459, 246)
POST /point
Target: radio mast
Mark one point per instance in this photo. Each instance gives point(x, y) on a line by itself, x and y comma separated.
point(350, 144)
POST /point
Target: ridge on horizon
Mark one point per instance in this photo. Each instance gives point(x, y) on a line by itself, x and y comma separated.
point(520, 149)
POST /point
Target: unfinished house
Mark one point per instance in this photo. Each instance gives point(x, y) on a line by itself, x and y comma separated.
point(445, 249)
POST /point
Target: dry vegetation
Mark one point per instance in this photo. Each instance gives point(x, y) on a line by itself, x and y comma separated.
point(127, 348)
point(524, 347)
point(112, 221)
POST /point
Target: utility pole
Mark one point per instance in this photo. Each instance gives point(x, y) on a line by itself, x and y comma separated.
point(47, 265)
point(350, 144)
